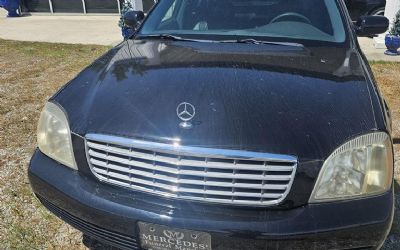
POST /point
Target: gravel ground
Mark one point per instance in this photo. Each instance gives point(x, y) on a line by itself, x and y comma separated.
point(29, 74)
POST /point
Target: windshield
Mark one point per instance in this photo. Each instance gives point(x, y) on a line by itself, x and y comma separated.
point(318, 20)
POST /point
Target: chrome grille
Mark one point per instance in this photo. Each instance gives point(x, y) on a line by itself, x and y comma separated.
point(194, 173)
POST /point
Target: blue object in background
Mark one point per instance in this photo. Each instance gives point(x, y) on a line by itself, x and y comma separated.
point(127, 32)
point(12, 6)
point(392, 44)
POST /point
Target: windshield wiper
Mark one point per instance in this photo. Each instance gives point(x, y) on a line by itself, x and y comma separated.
point(254, 41)
point(248, 40)
point(170, 37)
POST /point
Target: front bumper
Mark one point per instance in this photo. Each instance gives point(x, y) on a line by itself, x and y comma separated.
point(110, 214)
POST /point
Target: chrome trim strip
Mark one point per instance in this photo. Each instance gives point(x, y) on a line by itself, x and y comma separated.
point(177, 162)
point(190, 151)
point(187, 197)
point(193, 190)
point(195, 173)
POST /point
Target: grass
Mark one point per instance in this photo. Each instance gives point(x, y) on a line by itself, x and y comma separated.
point(388, 77)
point(29, 74)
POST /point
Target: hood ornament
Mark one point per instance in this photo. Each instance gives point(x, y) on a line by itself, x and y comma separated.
point(186, 112)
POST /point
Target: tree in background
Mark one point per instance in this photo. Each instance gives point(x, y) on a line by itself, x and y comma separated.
point(395, 30)
point(392, 40)
point(126, 31)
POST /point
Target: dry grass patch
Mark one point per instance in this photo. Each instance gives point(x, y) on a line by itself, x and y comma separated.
point(29, 74)
point(387, 75)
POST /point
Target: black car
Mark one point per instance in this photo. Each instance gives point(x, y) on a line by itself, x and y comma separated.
point(359, 8)
point(224, 124)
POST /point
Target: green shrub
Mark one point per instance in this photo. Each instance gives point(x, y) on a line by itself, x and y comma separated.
point(395, 30)
point(126, 6)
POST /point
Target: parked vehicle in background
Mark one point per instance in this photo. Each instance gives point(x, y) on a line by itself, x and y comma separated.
point(359, 8)
point(224, 125)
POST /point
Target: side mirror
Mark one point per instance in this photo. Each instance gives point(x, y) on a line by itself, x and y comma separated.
point(371, 25)
point(132, 18)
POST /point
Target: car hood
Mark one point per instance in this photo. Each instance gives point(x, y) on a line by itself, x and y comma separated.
point(303, 102)
point(266, 98)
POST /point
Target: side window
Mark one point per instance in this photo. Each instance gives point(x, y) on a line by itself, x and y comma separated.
point(169, 13)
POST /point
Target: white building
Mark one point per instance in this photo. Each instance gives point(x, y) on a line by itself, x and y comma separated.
point(81, 6)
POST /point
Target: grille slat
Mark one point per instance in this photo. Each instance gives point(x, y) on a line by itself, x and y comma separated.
point(183, 162)
point(186, 190)
point(202, 174)
point(205, 174)
point(203, 182)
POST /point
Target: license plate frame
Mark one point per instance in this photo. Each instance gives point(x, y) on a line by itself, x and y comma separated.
point(160, 237)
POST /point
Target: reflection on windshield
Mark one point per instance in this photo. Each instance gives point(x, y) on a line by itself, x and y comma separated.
point(306, 19)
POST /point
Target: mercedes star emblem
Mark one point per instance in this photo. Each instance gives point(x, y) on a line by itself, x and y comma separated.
point(186, 112)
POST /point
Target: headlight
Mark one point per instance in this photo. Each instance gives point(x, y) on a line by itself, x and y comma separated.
point(54, 135)
point(359, 168)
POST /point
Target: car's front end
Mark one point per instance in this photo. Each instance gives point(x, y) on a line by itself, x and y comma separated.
point(171, 142)
point(111, 215)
